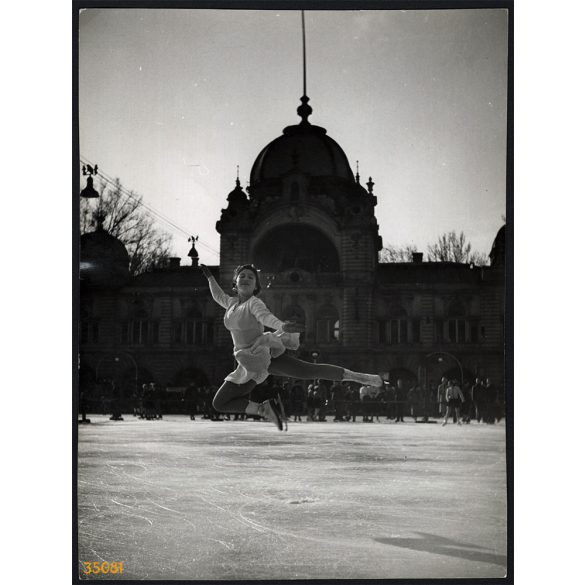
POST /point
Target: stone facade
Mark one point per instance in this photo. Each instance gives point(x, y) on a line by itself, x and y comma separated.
point(309, 225)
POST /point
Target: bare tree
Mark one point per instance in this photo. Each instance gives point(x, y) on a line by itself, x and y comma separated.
point(123, 217)
point(451, 247)
point(392, 253)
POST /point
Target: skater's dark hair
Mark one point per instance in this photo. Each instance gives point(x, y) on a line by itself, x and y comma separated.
point(255, 270)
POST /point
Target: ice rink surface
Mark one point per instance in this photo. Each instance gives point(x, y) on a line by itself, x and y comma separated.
point(177, 499)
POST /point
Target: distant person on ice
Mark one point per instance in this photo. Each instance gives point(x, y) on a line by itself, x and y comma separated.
point(455, 399)
point(260, 354)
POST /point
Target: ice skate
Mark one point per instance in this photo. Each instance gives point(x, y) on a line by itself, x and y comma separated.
point(270, 410)
point(281, 412)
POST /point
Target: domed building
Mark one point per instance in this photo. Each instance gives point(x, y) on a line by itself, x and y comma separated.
point(309, 224)
point(310, 227)
point(303, 147)
point(104, 260)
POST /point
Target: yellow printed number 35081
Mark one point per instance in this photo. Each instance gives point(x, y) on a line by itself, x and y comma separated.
point(105, 568)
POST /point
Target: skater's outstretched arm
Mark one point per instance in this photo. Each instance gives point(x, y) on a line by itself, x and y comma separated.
point(216, 292)
point(264, 316)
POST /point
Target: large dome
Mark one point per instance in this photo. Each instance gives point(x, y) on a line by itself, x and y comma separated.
point(306, 148)
point(104, 259)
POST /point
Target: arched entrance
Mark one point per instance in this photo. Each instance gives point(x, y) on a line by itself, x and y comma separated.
point(455, 375)
point(295, 246)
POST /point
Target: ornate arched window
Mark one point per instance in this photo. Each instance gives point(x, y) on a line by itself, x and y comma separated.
point(393, 327)
point(296, 314)
point(327, 325)
point(456, 322)
point(192, 327)
point(198, 329)
point(140, 328)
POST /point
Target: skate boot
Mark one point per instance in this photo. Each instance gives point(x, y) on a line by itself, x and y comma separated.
point(270, 409)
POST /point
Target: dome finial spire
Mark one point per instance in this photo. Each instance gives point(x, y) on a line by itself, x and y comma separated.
point(304, 110)
point(304, 55)
point(237, 175)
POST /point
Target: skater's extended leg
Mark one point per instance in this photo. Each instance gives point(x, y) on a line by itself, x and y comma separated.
point(289, 366)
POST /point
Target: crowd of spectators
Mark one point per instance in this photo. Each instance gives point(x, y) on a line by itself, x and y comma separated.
point(312, 402)
point(481, 401)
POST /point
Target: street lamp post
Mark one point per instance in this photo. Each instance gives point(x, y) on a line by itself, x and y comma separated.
point(315, 355)
point(89, 191)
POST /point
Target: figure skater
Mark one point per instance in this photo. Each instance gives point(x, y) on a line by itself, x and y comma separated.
point(260, 354)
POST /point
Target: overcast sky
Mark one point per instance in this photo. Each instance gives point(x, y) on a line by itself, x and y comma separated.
point(172, 100)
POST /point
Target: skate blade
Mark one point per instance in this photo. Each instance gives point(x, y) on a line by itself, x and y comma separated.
point(282, 413)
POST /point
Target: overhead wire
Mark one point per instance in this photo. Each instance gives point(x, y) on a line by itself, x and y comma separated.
point(157, 215)
point(153, 212)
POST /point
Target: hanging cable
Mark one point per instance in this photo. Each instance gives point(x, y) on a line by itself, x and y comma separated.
point(150, 210)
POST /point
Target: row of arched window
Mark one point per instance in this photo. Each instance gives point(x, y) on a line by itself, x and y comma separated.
point(402, 331)
point(389, 332)
point(193, 332)
point(196, 329)
point(187, 332)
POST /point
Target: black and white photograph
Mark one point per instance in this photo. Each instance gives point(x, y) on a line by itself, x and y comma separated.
point(292, 346)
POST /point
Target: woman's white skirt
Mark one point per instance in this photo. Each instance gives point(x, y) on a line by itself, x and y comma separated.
point(254, 365)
